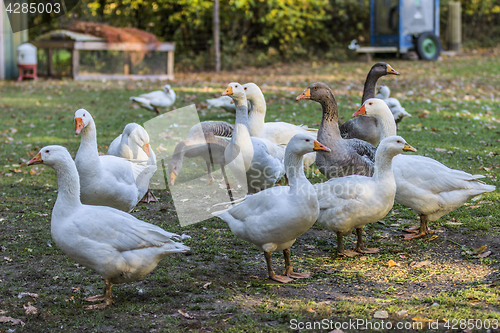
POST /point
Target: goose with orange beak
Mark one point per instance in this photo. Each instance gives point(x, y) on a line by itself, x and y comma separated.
point(256, 163)
point(273, 218)
point(115, 244)
point(349, 203)
point(347, 157)
point(428, 187)
point(107, 180)
point(366, 128)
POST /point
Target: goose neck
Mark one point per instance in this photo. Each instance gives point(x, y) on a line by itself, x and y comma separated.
point(241, 133)
point(330, 118)
point(89, 138)
point(369, 86)
point(68, 192)
point(257, 116)
point(294, 168)
point(383, 165)
point(387, 126)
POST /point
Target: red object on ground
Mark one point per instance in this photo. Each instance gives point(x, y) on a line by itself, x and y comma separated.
point(27, 71)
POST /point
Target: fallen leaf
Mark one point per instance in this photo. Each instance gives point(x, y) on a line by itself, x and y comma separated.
point(421, 264)
point(421, 319)
point(12, 320)
point(440, 149)
point(185, 314)
point(484, 254)
point(402, 313)
point(424, 114)
point(205, 286)
point(381, 314)
point(309, 247)
point(32, 295)
point(310, 310)
point(30, 309)
point(392, 263)
point(481, 249)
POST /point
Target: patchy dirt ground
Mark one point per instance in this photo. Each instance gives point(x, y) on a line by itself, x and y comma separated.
point(222, 284)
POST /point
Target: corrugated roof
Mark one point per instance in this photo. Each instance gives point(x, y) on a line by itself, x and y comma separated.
point(69, 35)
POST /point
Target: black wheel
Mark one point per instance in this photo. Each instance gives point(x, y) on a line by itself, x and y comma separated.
point(428, 46)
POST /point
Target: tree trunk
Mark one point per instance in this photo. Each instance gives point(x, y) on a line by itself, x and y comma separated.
point(216, 36)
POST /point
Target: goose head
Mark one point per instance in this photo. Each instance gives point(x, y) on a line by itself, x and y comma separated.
point(301, 144)
point(252, 91)
point(394, 145)
point(384, 91)
point(166, 88)
point(50, 155)
point(82, 119)
point(317, 91)
point(373, 107)
point(381, 69)
point(138, 135)
point(236, 92)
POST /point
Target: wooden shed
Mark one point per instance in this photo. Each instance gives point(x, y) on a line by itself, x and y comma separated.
point(9, 41)
point(76, 43)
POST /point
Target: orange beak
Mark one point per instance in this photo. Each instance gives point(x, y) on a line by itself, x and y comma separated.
point(305, 95)
point(320, 147)
point(391, 70)
point(146, 149)
point(78, 125)
point(228, 92)
point(409, 148)
point(172, 178)
point(361, 111)
point(36, 160)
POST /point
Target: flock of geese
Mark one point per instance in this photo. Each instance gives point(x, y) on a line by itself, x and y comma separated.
point(361, 158)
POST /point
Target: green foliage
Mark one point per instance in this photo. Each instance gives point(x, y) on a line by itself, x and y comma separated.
point(259, 32)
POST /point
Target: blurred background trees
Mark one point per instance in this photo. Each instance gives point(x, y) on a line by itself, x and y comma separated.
point(261, 32)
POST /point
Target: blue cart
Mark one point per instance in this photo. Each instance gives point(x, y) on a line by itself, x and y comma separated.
point(400, 26)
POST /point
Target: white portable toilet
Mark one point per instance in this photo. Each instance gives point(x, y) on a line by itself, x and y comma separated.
point(26, 61)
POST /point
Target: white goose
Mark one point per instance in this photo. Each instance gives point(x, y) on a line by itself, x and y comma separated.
point(118, 246)
point(276, 132)
point(224, 102)
point(425, 185)
point(397, 110)
point(107, 180)
point(351, 202)
point(256, 162)
point(273, 218)
point(133, 144)
point(156, 99)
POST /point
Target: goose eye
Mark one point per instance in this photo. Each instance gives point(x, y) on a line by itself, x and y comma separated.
point(370, 103)
point(307, 140)
point(47, 151)
point(399, 141)
point(245, 88)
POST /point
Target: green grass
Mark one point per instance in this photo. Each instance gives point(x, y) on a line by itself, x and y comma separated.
point(222, 283)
